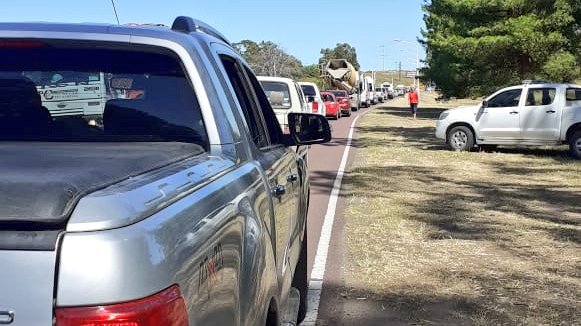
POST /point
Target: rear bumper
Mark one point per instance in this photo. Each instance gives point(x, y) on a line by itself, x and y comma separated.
point(331, 112)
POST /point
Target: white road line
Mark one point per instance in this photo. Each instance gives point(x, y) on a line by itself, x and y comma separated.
point(318, 272)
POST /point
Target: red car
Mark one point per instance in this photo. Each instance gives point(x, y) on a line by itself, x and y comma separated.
point(331, 105)
point(343, 98)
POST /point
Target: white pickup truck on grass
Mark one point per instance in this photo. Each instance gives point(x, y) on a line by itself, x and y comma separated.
point(534, 113)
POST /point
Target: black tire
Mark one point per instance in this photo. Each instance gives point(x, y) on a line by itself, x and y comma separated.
point(461, 139)
point(301, 279)
point(575, 144)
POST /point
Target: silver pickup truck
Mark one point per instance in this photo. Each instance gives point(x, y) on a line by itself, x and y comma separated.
point(182, 204)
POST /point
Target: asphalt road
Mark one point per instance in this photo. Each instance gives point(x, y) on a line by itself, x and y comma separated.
point(323, 163)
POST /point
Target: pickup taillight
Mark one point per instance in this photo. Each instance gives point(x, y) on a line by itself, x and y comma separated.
point(164, 308)
point(315, 106)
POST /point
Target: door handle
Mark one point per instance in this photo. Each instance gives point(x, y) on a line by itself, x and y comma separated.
point(551, 111)
point(278, 190)
point(513, 112)
point(292, 177)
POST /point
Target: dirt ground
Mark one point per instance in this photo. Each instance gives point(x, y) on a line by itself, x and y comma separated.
point(435, 237)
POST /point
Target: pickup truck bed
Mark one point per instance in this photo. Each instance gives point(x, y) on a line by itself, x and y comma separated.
point(41, 182)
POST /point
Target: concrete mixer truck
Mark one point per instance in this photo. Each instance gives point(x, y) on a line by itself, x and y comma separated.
point(341, 74)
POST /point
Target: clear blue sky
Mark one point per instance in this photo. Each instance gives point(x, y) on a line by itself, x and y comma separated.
point(301, 27)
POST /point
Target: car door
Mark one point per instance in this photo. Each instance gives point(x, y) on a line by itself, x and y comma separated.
point(278, 162)
point(540, 116)
point(500, 119)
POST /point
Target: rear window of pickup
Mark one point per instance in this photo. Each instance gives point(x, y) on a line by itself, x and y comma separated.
point(70, 92)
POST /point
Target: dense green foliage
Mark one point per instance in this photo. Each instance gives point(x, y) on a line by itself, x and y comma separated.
point(341, 51)
point(476, 46)
point(268, 59)
point(312, 73)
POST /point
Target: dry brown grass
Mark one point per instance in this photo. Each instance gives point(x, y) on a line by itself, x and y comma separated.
point(462, 238)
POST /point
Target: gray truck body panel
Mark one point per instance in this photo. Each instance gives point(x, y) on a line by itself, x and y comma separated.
point(153, 226)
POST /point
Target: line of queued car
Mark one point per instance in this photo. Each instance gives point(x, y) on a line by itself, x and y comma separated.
point(286, 96)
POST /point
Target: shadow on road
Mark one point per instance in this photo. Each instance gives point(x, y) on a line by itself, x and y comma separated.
point(357, 306)
point(450, 206)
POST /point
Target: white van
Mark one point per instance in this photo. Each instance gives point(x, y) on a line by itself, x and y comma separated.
point(285, 96)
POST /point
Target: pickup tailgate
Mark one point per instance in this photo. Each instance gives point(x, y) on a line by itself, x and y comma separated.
point(26, 287)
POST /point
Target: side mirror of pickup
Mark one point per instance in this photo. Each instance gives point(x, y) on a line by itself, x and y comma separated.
point(484, 104)
point(308, 128)
point(310, 99)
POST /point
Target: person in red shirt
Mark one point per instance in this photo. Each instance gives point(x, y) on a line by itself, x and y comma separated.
point(413, 100)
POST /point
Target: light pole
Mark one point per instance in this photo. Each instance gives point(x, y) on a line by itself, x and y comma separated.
point(417, 60)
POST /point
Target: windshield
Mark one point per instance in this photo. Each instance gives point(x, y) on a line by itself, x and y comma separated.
point(73, 93)
point(278, 94)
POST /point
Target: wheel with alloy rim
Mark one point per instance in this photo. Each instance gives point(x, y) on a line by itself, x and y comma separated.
point(575, 144)
point(460, 138)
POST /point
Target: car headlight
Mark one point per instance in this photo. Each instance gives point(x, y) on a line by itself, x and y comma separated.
point(443, 115)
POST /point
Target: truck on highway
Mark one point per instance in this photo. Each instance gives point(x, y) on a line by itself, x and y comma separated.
point(313, 96)
point(342, 75)
point(534, 113)
point(187, 205)
point(366, 91)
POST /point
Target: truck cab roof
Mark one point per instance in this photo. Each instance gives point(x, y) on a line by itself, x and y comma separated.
point(178, 33)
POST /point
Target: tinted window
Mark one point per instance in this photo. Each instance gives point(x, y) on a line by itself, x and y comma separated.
point(270, 120)
point(278, 94)
point(243, 92)
point(541, 96)
point(72, 93)
point(508, 98)
point(309, 90)
point(573, 94)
